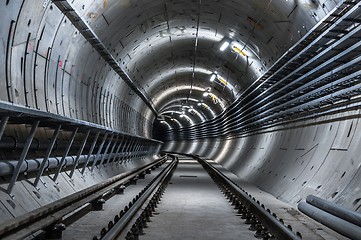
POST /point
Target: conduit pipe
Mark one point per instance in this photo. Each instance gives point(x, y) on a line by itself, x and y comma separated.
point(334, 209)
point(339, 225)
point(7, 167)
point(11, 144)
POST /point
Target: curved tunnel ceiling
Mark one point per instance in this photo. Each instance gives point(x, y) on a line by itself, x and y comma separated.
point(279, 106)
point(171, 48)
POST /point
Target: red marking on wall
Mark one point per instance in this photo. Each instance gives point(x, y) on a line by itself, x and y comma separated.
point(60, 63)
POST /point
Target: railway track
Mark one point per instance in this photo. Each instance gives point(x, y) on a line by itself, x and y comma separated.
point(49, 221)
point(133, 221)
point(191, 184)
point(262, 221)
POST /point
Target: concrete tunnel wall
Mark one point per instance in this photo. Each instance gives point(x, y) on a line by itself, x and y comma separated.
point(319, 157)
point(49, 66)
point(45, 69)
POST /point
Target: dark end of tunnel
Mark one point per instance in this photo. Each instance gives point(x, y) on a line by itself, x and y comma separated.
point(159, 131)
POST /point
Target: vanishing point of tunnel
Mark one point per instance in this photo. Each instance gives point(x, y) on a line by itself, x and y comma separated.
point(180, 119)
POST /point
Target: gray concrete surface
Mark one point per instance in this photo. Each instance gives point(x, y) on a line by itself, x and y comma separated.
point(193, 207)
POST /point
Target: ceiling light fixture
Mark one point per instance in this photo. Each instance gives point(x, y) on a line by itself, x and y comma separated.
point(224, 46)
point(213, 77)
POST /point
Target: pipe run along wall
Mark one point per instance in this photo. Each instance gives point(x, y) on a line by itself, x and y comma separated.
point(319, 157)
point(32, 165)
point(26, 197)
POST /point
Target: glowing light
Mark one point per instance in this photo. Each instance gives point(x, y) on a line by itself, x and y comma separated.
point(205, 94)
point(213, 77)
point(224, 46)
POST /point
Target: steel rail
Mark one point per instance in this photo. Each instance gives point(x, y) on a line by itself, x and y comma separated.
point(122, 227)
point(273, 225)
point(53, 213)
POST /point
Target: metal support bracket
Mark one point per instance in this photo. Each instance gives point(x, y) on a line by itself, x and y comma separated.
point(47, 155)
point(23, 155)
point(99, 152)
point(79, 153)
point(90, 152)
point(3, 123)
point(106, 151)
point(65, 154)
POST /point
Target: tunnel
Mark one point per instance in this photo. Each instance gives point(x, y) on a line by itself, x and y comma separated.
point(263, 94)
